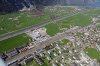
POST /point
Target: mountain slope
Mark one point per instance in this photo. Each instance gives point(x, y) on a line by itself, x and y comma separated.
point(15, 5)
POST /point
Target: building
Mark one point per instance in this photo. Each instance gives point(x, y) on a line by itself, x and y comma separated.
point(22, 48)
point(38, 59)
point(3, 56)
point(12, 53)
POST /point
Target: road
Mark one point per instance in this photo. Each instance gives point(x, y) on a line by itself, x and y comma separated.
point(17, 32)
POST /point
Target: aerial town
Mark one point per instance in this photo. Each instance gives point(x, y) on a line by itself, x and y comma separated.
point(54, 35)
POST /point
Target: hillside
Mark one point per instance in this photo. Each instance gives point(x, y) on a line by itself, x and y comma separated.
point(15, 5)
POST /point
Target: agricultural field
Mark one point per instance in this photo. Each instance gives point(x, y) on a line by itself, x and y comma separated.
point(93, 53)
point(18, 20)
point(78, 20)
point(14, 42)
point(81, 19)
point(52, 29)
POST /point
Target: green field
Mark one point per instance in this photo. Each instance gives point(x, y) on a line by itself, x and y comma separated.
point(17, 20)
point(13, 42)
point(93, 53)
point(81, 20)
point(77, 20)
point(52, 29)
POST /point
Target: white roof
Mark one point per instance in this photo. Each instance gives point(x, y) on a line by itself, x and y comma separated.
point(2, 63)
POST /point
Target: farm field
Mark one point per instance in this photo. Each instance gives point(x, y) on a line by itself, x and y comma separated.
point(14, 42)
point(93, 53)
point(81, 19)
point(18, 20)
point(52, 29)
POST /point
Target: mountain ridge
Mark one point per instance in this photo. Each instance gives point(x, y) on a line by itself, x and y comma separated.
point(15, 5)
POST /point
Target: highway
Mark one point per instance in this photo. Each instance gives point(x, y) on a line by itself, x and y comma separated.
point(17, 32)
